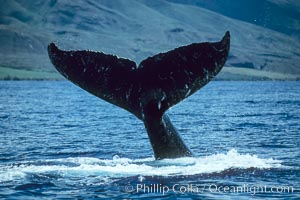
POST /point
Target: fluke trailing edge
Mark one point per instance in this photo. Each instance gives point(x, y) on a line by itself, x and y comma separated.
point(147, 90)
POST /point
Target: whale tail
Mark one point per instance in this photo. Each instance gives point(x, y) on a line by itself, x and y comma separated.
point(147, 90)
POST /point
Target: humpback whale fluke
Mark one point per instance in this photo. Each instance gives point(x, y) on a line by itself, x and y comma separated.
point(149, 89)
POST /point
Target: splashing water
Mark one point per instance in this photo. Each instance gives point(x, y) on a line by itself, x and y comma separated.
point(125, 167)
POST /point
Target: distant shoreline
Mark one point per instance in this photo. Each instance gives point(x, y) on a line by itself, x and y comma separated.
point(227, 74)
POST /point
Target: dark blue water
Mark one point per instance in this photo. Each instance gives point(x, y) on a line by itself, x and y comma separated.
point(59, 142)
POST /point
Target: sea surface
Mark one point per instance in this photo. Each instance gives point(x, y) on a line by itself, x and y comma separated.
point(59, 142)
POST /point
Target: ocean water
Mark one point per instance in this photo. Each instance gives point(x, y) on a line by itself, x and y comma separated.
point(59, 142)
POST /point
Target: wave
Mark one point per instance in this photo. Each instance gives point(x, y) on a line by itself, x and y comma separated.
point(124, 167)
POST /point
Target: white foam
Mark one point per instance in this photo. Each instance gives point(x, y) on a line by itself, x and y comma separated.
point(125, 167)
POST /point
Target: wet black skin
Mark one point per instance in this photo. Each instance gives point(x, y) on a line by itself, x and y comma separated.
point(147, 90)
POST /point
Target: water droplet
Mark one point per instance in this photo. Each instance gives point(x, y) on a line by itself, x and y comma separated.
point(141, 178)
point(116, 157)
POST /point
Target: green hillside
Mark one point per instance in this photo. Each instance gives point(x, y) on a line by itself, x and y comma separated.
point(227, 73)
